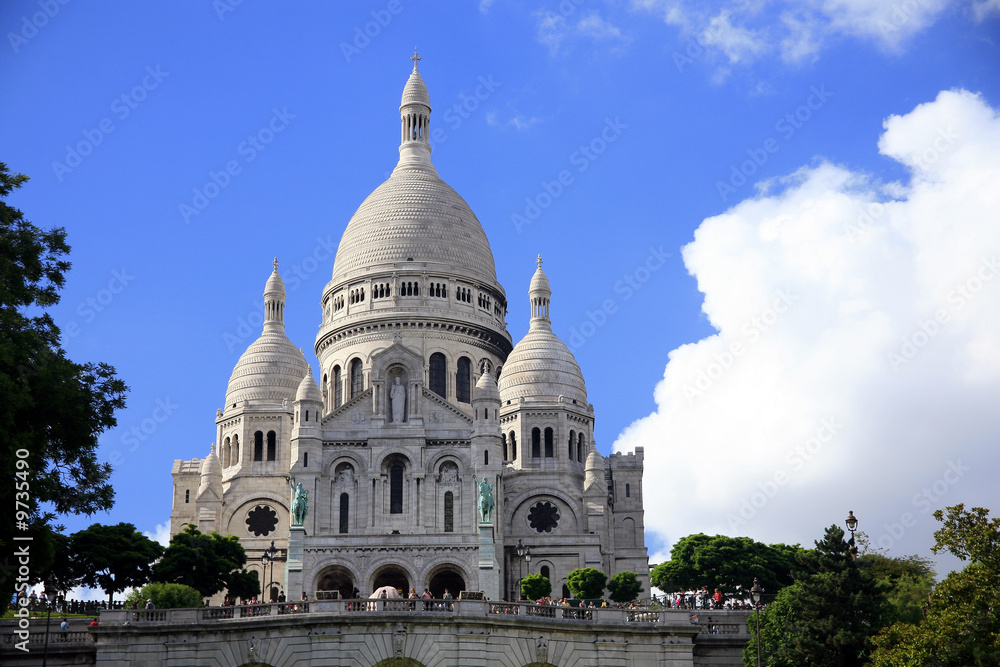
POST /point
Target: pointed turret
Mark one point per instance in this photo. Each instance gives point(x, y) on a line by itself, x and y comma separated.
point(274, 301)
point(540, 293)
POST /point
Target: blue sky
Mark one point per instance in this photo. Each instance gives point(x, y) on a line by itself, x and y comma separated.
point(184, 145)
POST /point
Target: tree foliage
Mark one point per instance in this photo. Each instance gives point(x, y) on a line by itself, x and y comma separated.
point(535, 586)
point(243, 585)
point(719, 561)
point(52, 410)
point(908, 579)
point(625, 587)
point(165, 596)
point(204, 562)
point(113, 558)
point(586, 582)
point(961, 626)
point(828, 615)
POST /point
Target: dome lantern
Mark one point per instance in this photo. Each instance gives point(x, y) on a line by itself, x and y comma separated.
point(415, 120)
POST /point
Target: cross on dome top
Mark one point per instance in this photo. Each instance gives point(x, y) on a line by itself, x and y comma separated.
point(539, 261)
point(276, 263)
point(415, 58)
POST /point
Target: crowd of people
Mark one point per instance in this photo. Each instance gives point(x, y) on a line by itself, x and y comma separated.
point(701, 599)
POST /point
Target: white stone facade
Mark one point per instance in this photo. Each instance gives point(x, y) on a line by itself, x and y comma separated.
point(405, 416)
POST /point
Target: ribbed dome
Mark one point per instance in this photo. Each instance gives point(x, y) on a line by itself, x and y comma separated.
point(415, 216)
point(308, 389)
point(211, 466)
point(270, 370)
point(541, 366)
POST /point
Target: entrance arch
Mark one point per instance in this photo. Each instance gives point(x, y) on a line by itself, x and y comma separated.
point(391, 575)
point(337, 578)
point(446, 578)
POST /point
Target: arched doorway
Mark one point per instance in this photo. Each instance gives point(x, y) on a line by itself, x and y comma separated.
point(337, 578)
point(446, 578)
point(391, 575)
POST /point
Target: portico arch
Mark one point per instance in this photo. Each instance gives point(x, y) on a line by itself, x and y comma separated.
point(390, 575)
point(446, 576)
point(336, 578)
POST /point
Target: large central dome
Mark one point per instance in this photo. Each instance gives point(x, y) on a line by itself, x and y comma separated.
point(414, 216)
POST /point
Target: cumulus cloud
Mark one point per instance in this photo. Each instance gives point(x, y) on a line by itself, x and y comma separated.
point(552, 29)
point(856, 364)
point(161, 533)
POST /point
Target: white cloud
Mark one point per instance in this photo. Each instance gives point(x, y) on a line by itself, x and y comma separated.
point(484, 5)
point(797, 30)
point(738, 43)
point(161, 533)
point(592, 25)
point(552, 30)
point(857, 360)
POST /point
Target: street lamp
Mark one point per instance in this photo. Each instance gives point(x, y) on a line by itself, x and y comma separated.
point(756, 593)
point(852, 525)
point(269, 557)
point(523, 554)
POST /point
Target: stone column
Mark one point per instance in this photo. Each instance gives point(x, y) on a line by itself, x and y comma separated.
point(489, 568)
point(293, 565)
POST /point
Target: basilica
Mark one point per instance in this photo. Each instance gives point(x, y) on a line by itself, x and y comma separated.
point(426, 451)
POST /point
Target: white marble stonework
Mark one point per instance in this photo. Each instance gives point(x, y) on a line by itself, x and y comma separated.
point(413, 317)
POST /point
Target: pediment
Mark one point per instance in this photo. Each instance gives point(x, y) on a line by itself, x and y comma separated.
point(347, 413)
point(439, 412)
point(396, 354)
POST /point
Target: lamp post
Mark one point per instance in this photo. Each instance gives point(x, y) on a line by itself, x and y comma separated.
point(264, 560)
point(523, 554)
point(269, 557)
point(852, 525)
point(49, 592)
point(756, 592)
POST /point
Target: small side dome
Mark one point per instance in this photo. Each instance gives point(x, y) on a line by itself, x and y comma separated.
point(308, 389)
point(486, 388)
point(211, 466)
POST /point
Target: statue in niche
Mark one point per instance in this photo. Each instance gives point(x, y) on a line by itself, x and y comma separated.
point(397, 398)
point(449, 473)
point(345, 474)
point(486, 503)
point(300, 502)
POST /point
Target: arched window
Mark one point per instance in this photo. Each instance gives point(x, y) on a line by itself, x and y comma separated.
point(628, 491)
point(272, 445)
point(536, 443)
point(449, 512)
point(463, 381)
point(236, 449)
point(505, 452)
point(305, 459)
point(187, 496)
point(396, 489)
point(226, 453)
point(486, 457)
point(357, 379)
point(307, 415)
point(338, 388)
point(572, 445)
point(258, 446)
point(544, 571)
point(513, 446)
point(548, 443)
point(579, 448)
point(439, 374)
point(345, 502)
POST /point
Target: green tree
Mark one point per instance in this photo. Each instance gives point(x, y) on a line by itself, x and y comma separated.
point(961, 626)
point(909, 580)
point(204, 562)
point(165, 596)
point(113, 558)
point(828, 615)
point(625, 587)
point(719, 561)
point(52, 410)
point(535, 586)
point(586, 582)
point(243, 584)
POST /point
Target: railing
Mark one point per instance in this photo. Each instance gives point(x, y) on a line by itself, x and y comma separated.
point(714, 623)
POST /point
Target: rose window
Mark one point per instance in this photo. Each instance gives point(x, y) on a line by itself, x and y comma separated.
point(262, 520)
point(543, 517)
